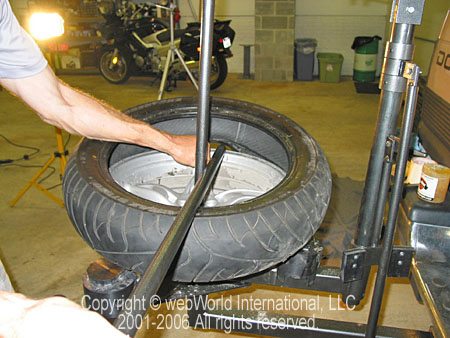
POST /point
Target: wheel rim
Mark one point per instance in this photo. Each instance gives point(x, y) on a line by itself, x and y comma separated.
point(113, 72)
point(157, 177)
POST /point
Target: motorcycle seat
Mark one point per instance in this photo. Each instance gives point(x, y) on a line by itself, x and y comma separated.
point(164, 36)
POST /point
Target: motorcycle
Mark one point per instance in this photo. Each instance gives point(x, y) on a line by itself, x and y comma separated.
point(137, 43)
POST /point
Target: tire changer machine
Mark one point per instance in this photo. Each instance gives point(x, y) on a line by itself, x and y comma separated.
point(399, 75)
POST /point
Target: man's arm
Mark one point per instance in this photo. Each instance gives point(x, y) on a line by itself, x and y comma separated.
point(62, 106)
point(54, 317)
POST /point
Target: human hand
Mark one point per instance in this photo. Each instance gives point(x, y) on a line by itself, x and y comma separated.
point(55, 317)
point(184, 148)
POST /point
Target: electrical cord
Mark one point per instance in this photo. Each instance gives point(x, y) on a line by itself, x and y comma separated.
point(48, 175)
point(24, 157)
point(54, 186)
point(67, 141)
point(53, 170)
point(10, 162)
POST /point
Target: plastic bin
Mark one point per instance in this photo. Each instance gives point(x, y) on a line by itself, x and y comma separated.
point(365, 64)
point(330, 66)
point(304, 59)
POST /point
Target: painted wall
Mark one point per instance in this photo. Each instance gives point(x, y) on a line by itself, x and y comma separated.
point(20, 8)
point(336, 23)
point(19, 4)
point(242, 14)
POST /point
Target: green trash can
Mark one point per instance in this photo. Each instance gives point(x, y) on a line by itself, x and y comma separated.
point(330, 65)
point(366, 51)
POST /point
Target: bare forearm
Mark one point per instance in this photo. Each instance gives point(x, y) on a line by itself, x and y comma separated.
point(98, 120)
point(60, 105)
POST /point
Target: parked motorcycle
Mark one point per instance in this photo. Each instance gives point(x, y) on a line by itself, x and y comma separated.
point(138, 44)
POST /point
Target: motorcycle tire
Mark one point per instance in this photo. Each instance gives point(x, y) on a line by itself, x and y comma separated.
point(223, 243)
point(121, 73)
point(221, 67)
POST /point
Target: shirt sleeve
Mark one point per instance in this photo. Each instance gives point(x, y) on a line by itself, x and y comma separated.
point(5, 283)
point(19, 55)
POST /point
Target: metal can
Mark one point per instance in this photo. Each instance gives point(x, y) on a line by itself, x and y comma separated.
point(434, 182)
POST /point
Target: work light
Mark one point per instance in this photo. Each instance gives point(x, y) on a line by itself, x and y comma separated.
point(44, 26)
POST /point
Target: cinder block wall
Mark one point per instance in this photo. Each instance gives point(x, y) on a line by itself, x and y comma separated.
point(274, 37)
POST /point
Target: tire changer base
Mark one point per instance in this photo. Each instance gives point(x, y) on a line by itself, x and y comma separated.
point(104, 280)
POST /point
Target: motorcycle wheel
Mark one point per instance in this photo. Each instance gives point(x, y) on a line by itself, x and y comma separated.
point(115, 73)
point(219, 72)
point(224, 242)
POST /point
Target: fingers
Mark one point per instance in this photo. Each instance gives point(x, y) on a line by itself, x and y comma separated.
point(184, 150)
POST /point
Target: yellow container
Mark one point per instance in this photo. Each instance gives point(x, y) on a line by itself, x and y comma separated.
point(434, 182)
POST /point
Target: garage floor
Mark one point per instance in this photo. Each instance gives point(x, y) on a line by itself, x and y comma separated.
point(45, 256)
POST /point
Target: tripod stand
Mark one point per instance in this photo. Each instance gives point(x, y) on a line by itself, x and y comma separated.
point(60, 154)
point(173, 50)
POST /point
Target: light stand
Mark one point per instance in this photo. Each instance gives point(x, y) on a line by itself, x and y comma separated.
point(173, 50)
point(61, 156)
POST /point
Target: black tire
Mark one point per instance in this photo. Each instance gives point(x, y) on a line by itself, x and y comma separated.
point(119, 73)
point(220, 66)
point(224, 242)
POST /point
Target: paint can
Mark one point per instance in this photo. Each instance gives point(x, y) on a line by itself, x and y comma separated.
point(434, 182)
point(414, 171)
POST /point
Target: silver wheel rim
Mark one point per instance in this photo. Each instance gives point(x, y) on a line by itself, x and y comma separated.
point(157, 177)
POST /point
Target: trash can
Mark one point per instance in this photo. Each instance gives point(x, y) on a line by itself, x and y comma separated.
point(330, 65)
point(366, 51)
point(304, 59)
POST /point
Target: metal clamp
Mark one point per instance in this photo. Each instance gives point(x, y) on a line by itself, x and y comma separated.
point(400, 263)
point(411, 72)
point(355, 260)
point(392, 144)
point(407, 11)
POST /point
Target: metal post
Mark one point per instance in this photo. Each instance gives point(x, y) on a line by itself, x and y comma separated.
point(405, 14)
point(381, 205)
point(391, 145)
point(164, 256)
point(172, 27)
point(247, 51)
point(408, 120)
point(203, 114)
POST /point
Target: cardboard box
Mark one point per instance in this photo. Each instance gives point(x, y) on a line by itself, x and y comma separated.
point(70, 62)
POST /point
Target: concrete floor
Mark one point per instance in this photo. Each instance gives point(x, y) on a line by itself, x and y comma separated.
point(45, 256)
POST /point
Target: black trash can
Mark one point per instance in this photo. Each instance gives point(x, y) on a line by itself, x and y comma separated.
point(304, 59)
